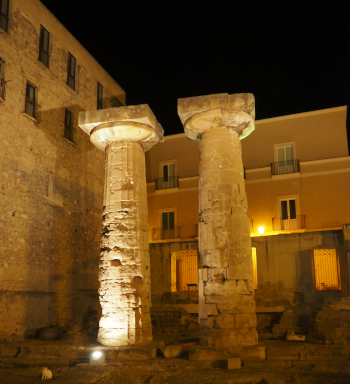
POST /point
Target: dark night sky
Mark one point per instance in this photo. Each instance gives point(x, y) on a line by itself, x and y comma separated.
point(294, 56)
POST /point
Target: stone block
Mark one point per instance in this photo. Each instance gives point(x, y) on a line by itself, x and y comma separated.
point(225, 338)
point(8, 350)
point(250, 352)
point(135, 353)
point(172, 351)
point(224, 321)
point(245, 320)
point(234, 363)
point(207, 353)
point(283, 350)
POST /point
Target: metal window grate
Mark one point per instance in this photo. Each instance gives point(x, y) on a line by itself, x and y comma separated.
point(186, 271)
point(326, 268)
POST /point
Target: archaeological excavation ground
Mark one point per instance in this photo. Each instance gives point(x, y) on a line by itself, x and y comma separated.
point(218, 254)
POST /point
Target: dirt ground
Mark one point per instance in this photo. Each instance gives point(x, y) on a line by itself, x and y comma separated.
point(171, 371)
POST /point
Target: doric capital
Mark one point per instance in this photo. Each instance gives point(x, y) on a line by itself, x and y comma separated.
point(236, 112)
point(131, 123)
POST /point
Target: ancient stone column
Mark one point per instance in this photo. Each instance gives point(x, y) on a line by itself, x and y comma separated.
point(226, 287)
point(124, 133)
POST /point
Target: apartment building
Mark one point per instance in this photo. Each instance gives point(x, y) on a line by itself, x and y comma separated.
point(297, 172)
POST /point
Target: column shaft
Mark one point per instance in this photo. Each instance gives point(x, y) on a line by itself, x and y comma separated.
point(226, 291)
point(124, 265)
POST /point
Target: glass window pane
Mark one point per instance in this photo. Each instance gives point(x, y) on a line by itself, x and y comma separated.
point(284, 210)
point(289, 153)
point(171, 169)
point(292, 209)
point(4, 6)
point(165, 173)
point(164, 220)
point(46, 41)
point(280, 154)
point(171, 220)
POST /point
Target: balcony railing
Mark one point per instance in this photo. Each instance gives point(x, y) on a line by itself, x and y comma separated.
point(284, 167)
point(166, 234)
point(279, 224)
point(2, 88)
point(32, 108)
point(171, 182)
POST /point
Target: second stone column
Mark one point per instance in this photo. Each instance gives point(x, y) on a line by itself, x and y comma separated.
point(226, 290)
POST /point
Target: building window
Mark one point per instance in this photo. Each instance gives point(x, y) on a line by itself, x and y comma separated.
point(326, 269)
point(30, 107)
point(184, 271)
point(289, 217)
point(284, 160)
point(68, 125)
point(99, 96)
point(255, 268)
point(4, 14)
point(44, 44)
point(168, 228)
point(168, 178)
point(71, 71)
point(168, 225)
point(2, 81)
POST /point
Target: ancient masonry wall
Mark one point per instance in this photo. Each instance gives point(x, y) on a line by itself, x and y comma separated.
point(51, 188)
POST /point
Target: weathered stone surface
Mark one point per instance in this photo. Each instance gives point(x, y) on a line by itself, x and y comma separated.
point(228, 337)
point(254, 352)
point(144, 353)
point(234, 363)
point(331, 327)
point(219, 122)
point(8, 350)
point(172, 351)
point(52, 333)
point(125, 288)
point(51, 187)
point(207, 353)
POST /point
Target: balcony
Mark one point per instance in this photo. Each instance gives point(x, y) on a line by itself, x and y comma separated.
point(166, 234)
point(284, 167)
point(2, 88)
point(279, 224)
point(169, 182)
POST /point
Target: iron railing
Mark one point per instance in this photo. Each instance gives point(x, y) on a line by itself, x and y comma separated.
point(279, 224)
point(2, 88)
point(32, 108)
point(170, 182)
point(166, 234)
point(284, 167)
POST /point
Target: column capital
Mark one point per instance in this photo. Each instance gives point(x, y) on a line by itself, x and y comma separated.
point(129, 123)
point(236, 112)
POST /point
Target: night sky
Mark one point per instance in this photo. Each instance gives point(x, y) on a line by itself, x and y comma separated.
point(294, 56)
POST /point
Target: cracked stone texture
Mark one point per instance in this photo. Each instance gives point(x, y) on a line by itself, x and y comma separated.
point(124, 265)
point(226, 292)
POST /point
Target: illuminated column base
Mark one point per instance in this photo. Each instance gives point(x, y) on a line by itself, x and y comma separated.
point(125, 287)
point(226, 282)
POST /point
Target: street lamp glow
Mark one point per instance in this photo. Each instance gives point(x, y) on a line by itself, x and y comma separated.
point(261, 230)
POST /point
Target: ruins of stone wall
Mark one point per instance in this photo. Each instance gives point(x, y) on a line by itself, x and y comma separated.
point(286, 298)
point(51, 189)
